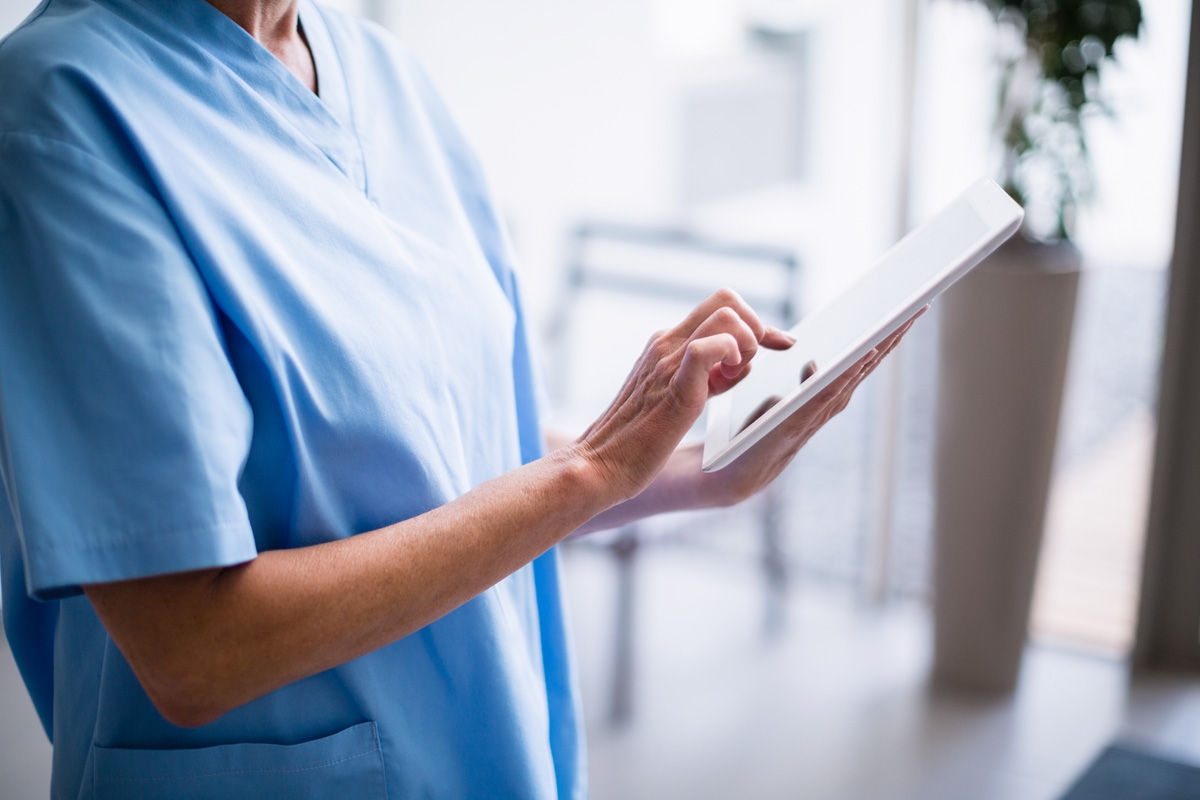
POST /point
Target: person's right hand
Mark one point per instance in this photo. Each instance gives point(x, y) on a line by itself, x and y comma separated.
point(706, 354)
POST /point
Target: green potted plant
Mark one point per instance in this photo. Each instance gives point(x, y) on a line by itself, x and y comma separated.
point(1050, 74)
point(1005, 338)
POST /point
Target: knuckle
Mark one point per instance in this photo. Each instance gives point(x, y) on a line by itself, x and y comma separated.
point(726, 316)
point(726, 296)
point(658, 343)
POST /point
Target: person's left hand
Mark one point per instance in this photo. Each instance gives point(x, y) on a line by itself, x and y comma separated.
point(763, 462)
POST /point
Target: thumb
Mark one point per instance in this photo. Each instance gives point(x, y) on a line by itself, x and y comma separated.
point(699, 357)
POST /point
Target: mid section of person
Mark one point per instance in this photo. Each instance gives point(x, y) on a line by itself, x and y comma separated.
point(277, 516)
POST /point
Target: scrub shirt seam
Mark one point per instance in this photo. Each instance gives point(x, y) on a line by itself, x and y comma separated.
point(264, 60)
point(286, 121)
point(15, 135)
point(353, 121)
point(244, 45)
point(137, 536)
point(292, 771)
point(14, 138)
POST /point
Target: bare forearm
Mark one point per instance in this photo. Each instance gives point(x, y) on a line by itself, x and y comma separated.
point(220, 638)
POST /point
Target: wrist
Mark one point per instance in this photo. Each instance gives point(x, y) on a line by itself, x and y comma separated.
point(589, 484)
point(685, 483)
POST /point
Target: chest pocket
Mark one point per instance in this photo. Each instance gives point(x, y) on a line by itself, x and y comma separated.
point(346, 764)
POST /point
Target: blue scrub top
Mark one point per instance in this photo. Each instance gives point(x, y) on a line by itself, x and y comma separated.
point(234, 317)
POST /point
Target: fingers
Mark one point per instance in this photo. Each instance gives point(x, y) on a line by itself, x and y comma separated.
point(725, 312)
point(766, 335)
point(700, 357)
point(776, 339)
point(889, 344)
point(839, 392)
point(720, 382)
point(726, 320)
point(722, 298)
point(834, 398)
point(895, 336)
point(679, 369)
point(849, 379)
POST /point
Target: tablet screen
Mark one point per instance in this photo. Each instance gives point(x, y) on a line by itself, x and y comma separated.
point(831, 336)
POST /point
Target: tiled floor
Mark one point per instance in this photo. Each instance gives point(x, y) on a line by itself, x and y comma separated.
point(1091, 562)
point(1092, 554)
point(839, 707)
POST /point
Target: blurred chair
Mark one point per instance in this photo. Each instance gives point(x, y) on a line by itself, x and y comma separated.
point(664, 268)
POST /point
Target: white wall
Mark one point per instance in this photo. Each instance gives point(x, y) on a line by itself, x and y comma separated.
point(562, 100)
point(12, 12)
point(574, 108)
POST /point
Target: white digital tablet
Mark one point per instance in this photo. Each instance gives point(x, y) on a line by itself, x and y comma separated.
point(909, 275)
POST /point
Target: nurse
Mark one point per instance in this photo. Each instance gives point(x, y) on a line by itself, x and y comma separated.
point(277, 519)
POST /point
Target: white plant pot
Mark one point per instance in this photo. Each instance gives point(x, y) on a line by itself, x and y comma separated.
point(1005, 338)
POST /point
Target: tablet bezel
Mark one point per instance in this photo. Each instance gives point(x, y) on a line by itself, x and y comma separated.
point(1000, 215)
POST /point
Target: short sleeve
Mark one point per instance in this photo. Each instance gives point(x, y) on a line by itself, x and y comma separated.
point(123, 428)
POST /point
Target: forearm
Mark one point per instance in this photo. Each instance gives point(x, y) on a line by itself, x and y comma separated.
point(203, 643)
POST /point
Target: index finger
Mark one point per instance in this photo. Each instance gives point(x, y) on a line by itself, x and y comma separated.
point(722, 298)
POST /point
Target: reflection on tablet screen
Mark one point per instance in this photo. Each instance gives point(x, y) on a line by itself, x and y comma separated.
point(807, 371)
point(763, 408)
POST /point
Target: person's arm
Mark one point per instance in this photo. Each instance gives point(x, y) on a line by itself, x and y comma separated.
point(204, 642)
point(682, 486)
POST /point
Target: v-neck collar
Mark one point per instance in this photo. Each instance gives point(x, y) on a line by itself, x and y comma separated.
point(326, 120)
point(331, 79)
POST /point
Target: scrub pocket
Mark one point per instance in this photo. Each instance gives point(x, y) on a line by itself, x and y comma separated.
point(348, 764)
